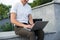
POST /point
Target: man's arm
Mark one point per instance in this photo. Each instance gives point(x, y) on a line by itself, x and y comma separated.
point(14, 21)
point(30, 19)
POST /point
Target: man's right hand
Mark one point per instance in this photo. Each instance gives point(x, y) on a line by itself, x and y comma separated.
point(28, 26)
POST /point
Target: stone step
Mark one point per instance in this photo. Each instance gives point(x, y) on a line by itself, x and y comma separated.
point(12, 36)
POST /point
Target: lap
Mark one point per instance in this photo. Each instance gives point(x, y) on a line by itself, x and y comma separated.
point(23, 32)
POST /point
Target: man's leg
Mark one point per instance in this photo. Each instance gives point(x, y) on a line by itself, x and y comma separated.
point(40, 34)
point(29, 34)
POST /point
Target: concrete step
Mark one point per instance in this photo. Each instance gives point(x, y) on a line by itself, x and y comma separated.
point(12, 36)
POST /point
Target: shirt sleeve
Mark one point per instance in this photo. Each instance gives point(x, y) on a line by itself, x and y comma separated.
point(13, 9)
point(30, 11)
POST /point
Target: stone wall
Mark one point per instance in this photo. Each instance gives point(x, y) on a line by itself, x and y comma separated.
point(48, 12)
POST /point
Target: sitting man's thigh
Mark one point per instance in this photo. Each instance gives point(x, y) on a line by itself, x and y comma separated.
point(24, 32)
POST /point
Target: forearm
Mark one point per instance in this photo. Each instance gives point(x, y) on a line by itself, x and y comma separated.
point(31, 20)
point(18, 23)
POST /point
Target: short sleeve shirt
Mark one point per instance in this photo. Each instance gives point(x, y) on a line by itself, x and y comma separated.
point(21, 12)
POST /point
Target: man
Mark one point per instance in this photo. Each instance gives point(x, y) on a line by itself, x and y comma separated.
point(20, 16)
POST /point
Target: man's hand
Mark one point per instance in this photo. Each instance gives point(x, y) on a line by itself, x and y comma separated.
point(28, 26)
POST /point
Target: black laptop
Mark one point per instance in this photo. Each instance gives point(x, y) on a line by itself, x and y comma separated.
point(39, 25)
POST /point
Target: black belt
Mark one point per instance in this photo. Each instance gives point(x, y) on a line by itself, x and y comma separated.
point(19, 26)
point(25, 23)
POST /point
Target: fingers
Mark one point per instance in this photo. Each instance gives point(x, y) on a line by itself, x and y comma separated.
point(29, 26)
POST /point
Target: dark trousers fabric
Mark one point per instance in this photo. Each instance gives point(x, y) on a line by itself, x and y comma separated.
point(31, 35)
point(39, 34)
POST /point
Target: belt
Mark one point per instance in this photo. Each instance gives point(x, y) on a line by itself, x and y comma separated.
point(25, 23)
point(19, 26)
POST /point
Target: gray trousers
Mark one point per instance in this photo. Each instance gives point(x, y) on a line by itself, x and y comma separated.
point(31, 35)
